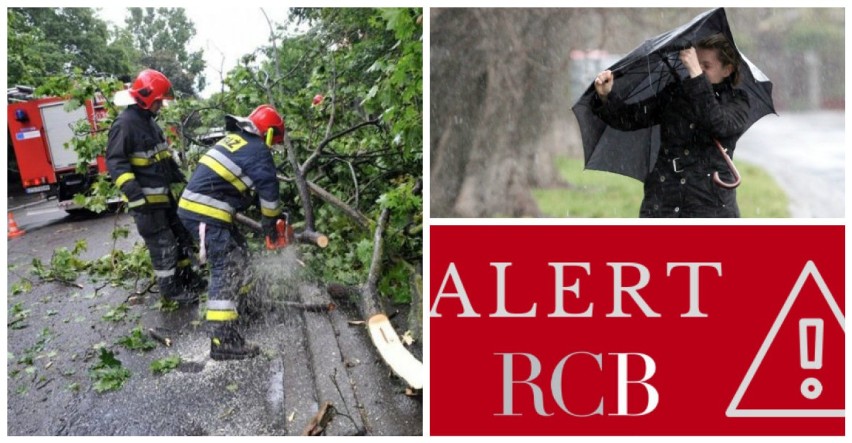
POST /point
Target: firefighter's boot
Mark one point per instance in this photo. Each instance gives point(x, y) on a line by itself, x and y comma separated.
point(226, 343)
point(172, 290)
point(190, 280)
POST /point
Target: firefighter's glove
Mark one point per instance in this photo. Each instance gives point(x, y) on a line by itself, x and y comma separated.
point(269, 230)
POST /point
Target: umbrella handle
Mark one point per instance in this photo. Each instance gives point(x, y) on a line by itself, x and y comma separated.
point(731, 166)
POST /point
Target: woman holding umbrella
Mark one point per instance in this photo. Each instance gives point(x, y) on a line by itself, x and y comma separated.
point(695, 114)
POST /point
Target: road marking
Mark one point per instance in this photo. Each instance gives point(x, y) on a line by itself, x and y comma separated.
point(43, 211)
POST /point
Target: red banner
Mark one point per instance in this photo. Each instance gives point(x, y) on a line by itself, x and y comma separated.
point(627, 330)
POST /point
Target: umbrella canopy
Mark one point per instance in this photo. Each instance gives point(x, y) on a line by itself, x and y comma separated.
point(645, 72)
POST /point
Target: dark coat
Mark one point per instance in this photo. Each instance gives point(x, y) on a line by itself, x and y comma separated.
point(226, 175)
point(691, 114)
point(139, 160)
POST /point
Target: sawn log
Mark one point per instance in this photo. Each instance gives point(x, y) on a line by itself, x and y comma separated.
point(382, 333)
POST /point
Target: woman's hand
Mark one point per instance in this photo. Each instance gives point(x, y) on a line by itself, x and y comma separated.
point(603, 84)
point(689, 58)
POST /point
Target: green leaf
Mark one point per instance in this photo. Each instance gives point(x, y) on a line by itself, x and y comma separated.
point(137, 340)
point(106, 359)
point(108, 374)
point(120, 232)
point(165, 365)
point(119, 313)
point(79, 200)
point(109, 379)
point(371, 94)
point(23, 285)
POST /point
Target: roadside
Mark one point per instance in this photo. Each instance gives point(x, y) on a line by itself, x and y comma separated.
point(806, 154)
point(55, 333)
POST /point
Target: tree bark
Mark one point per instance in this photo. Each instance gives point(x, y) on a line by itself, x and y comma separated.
point(369, 291)
point(496, 97)
point(301, 185)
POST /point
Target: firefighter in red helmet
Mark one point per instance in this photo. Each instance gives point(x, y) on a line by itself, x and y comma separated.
point(141, 165)
point(219, 187)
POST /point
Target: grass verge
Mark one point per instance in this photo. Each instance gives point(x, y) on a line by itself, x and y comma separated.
point(595, 194)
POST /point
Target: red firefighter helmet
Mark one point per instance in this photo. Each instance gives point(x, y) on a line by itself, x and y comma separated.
point(265, 117)
point(149, 86)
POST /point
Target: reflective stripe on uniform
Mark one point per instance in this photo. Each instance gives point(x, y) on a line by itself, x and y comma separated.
point(222, 305)
point(148, 158)
point(157, 198)
point(142, 161)
point(156, 195)
point(222, 158)
point(155, 191)
point(124, 178)
point(184, 263)
point(221, 310)
point(163, 274)
point(207, 206)
point(209, 201)
point(205, 210)
point(136, 203)
point(269, 209)
point(221, 315)
point(226, 169)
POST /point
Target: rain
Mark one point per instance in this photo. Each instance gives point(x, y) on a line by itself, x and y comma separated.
point(503, 82)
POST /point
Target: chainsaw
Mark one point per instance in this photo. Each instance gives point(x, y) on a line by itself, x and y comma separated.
point(286, 235)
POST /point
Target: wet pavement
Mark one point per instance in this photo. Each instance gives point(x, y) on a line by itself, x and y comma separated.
point(806, 154)
point(308, 358)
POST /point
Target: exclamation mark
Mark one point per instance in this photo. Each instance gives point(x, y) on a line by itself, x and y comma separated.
point(810, 354)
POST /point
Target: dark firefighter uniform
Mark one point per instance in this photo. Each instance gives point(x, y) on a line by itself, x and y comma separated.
point(141, 165)
point(220, 186)
point(691, 114)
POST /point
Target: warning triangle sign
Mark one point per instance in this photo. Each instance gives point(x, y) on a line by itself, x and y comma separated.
point(734, 410)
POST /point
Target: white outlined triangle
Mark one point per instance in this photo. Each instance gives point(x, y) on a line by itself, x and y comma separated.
point(810, 269)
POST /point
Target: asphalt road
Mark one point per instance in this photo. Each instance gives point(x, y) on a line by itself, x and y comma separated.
point(308, 358)
point(806, 154)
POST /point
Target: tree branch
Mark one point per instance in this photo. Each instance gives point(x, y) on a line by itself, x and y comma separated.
point(329, 198)
point(370, 295)
point(301, 185)
point(333, 100)
point(274, 41)
point(312, 159)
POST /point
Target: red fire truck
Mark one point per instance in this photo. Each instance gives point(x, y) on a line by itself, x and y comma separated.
point(39, 130)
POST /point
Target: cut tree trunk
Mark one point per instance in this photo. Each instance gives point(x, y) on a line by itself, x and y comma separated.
point(382, 333)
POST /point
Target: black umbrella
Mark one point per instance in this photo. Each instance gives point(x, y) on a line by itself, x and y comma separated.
point(645, 72)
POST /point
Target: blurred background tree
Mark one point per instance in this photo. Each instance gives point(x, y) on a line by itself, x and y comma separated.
point(161, 36)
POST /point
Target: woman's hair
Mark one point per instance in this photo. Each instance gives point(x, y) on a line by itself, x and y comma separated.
point(726, 52)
